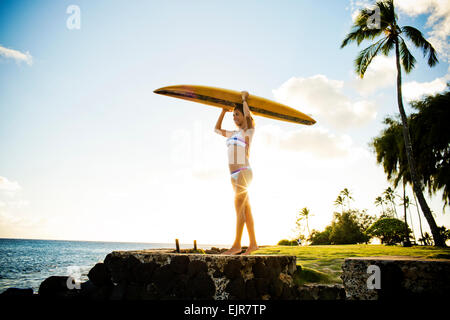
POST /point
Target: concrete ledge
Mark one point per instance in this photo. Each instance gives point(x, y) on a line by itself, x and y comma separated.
point(399, 278)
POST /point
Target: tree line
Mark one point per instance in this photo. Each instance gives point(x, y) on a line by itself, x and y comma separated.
point(352, 225)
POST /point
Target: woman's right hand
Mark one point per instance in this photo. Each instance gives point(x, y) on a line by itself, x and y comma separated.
point(224, 110)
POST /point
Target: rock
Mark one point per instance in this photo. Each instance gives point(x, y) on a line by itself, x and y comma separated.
point(144, 272)
point(163, 278)
point(94, 293)
point(17, 292)
point(276, 288)
point(261, 286)
point(304, 293)
point(328, 293)
point(150, 292)
point(196, 267)
point(88, 288)
point(288, 293)
point(131, 265)
point(202, 286)
point(232, 269)
point(180, 288)
point(163, 274)
point(215, 250)
point(133, 291)
point(56, 286)
point(179, 264)
point(100, 275)
point(236, 288)
point(398, 276)
point(274, 268)
point(260, 270)
point(391, 282)
point(122, 269)
point(250, 290)
point(118, 291)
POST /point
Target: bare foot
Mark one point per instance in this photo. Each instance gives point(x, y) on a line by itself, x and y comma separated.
point(249, 250)
point(232, 251)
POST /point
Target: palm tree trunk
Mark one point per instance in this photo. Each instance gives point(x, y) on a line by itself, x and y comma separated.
point(393, 206)
point(307, 225)
point(418, 214)
point(407, 242)
point(411, 220)
point(417, 186)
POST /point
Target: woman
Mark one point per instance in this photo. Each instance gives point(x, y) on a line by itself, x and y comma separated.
point(238, 144)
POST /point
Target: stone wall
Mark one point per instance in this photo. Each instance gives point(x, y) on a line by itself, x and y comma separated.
point(399, 278)
point(164, 274)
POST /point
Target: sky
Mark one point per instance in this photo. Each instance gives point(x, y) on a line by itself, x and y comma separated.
point(89, 152)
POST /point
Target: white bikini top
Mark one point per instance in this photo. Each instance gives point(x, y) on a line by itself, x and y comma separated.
point(237, 138)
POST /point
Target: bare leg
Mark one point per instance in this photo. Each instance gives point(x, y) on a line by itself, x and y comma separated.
point(243, 214)
point(239, 205)
point(250, 228)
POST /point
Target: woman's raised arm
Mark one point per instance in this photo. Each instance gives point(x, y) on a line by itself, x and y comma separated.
point(247, 113)
point(218, 128)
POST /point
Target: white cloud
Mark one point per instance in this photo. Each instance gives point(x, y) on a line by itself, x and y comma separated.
point(16, 55)
point(438, 21)
point(323, 99)
point(8, 188)
point(317, 141)
point(357, 5)
point(415, 90)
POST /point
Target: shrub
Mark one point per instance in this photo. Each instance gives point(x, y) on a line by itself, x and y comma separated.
point(347, 229)
point(286, 242)
point(389, 230)
point(320, 238)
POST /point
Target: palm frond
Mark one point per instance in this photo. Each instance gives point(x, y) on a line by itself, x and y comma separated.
point(419, 41)
point(366, 56)
point(387, 11)
point(359, 34)
point(407, 58)
point(388, 45)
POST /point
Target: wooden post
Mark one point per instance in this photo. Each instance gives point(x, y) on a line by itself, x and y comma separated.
point(195, 244)
point(177, 244)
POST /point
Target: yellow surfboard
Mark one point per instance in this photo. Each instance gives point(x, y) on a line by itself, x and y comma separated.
point(228, 99)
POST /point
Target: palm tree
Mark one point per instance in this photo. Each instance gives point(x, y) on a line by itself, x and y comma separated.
point(339, 202)
point(406, 203)
point(304, 214)
point(426, 239)
point(346, 195)
point(393, 39)
point(379, 201)
point(389, 196)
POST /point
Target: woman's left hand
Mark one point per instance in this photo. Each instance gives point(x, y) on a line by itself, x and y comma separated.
point(244, 95)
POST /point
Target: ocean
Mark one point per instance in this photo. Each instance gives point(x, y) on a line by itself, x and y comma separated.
point(25, 263)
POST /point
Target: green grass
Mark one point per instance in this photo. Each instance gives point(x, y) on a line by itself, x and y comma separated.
point(307, 275)
point(322, 264)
